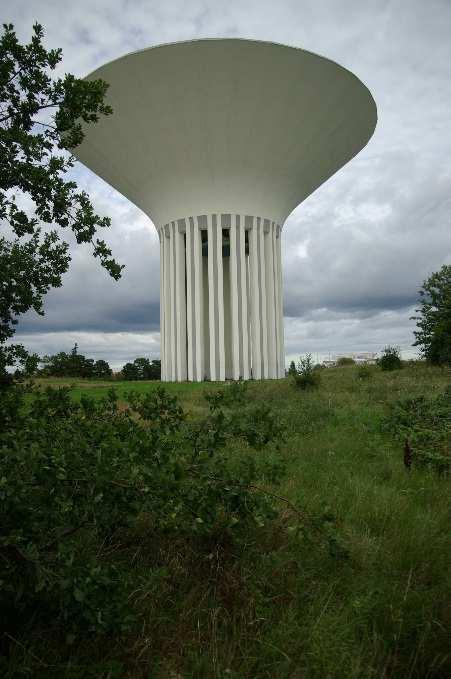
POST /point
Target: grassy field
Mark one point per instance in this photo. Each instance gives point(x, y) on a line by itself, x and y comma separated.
point(363, 590)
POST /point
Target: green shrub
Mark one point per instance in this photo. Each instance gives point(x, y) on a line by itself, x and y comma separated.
point(390, 359)
point(252, 422)
point(364, 372)
point(345, 360)
point(258, 425)
point(306, 375)
point(235, 393)
point(74, 474)
point(423, 426)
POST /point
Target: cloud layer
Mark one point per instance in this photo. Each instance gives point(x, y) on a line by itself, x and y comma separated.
point(356, 251)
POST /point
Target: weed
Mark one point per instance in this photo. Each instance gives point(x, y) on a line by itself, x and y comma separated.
point(306, 376)
point(364, 372)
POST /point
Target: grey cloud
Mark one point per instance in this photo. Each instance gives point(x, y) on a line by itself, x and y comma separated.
point(356, 251)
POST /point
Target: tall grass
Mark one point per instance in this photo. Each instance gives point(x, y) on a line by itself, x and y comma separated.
point(360, 587)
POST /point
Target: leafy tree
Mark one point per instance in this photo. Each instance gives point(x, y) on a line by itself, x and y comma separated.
point(142, 369)
point(390, 359)
point(41, 119)
point(292, 368)
point(102, 369)
point(155, 370)
point(434, 321)
point(130, 372)
point(74, 365)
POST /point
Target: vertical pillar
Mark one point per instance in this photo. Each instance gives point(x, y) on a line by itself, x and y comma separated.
point(234, 254)
point(180, 301)
point(194, 332)
point(255, 297)
point(248, 295)
point(270, 305)
point(220, 299)
point(167, 304)
point(280, 294)
point(198, 303)
point(276, 298)
point(211, 298)
point(162, 351)
point(172, 310)
point(243, 295)
point(264, 323)
point(190, 322)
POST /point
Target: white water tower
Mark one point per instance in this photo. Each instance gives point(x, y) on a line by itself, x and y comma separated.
point(218, 141)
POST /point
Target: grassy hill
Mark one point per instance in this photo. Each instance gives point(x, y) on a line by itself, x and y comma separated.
point(359, 586)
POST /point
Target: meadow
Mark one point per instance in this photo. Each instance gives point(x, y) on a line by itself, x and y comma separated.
point(352, 579)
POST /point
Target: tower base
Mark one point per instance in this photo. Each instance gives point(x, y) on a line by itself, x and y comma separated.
point(221, 313)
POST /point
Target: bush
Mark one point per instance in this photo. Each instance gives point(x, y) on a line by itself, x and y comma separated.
point(234, 393)
point(364, 372)
point(423, 426)
point(390, 359)
point(252, 422)
point(345, 360)
point(74, 474)
point(306, 375)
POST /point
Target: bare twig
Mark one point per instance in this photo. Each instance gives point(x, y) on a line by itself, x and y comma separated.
point(19, 643)
point(260, 490)
point(64, 534)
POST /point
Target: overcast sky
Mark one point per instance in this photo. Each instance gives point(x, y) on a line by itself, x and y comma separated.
point(356, 251)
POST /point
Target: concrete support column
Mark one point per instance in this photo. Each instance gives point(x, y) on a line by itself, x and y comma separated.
point(166, 304)
point(255, 301)
point(211, 299)
point(180, 316)
point(200, 336)
point(172, 303)
point(244, 339)
point(263, 315)
point(199, 371)
point(281, 350)
point(219, 300)
point(162, 291)
point(190, 298)
point(234, 310)
point(271, 302)
point(276, 299)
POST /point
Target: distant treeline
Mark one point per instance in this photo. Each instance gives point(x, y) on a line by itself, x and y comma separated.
point(74, 364)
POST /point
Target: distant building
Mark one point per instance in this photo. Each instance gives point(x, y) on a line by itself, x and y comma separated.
point(368, 357)
point(329, 364)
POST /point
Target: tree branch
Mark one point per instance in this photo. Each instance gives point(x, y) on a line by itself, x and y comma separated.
point(14, 76)
point(41, 108)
